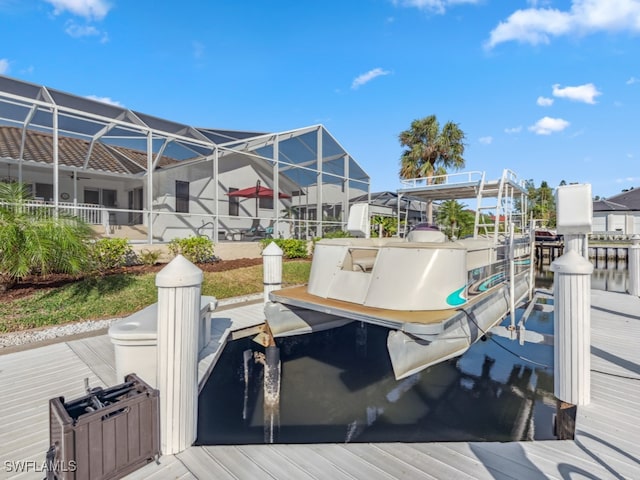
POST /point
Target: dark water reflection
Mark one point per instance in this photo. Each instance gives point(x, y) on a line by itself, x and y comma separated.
point(608, 275)
point(337, 389)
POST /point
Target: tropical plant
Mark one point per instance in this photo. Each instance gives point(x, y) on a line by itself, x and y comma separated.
point(37, 240)
point(389, 226)
point(455, 221)
point(430, 152)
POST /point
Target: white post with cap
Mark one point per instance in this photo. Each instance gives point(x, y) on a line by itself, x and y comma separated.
point(179, 285)
point(572, 297)
point(634, 266)
point(272, 269)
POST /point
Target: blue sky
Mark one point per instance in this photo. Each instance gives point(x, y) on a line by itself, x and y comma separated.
point(550, 89)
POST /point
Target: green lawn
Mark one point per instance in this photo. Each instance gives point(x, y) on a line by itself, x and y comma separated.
point(120, 295)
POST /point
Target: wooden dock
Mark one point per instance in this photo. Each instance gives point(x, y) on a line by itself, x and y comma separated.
point(607, 443)
point(547, 252)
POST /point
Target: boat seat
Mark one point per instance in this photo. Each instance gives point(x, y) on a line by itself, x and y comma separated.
point(364, 264)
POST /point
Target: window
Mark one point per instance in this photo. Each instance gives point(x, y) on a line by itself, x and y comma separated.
point(100, 196)
point(266, 203)
point(182, 197)
point(44, 191)
point(92, 196)
point(109, 198)
point(234, 203)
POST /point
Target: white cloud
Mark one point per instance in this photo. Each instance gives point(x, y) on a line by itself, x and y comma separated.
point(582, 93)
point(548, 125)
point(628, 179)
point(486, 140)
point(4, 65)
point(89, 9)
point(538, 25)
point(367, 77)
point(76, 31)
point(104, 100)
point(544, 101)
point(513, 130)
point(436, 6)
point(632, 80)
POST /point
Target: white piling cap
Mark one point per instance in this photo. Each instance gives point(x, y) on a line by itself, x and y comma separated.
point(179, 272)
point(272, 250)
point(573, 263)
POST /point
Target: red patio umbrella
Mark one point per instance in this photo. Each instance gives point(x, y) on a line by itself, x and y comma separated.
point(257, 192)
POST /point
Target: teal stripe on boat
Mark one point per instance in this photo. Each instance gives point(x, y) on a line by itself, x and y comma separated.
point(455, 299)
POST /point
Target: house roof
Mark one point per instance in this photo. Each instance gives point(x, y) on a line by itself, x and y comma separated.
point(72, 152)
point(99, 136)
point(628, 200)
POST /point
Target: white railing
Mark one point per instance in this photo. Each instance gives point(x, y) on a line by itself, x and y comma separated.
point(90, 213)
point(448, 179)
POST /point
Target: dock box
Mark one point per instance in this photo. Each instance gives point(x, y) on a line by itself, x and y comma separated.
point(106, 434)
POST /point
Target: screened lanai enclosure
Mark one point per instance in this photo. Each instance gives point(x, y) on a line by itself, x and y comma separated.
point(152, 180)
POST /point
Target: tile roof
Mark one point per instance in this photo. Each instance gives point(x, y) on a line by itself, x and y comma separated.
point(73, 151)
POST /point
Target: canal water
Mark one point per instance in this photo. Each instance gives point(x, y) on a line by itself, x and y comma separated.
point(338, 386)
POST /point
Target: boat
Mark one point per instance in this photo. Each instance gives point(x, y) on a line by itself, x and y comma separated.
point(435, 296)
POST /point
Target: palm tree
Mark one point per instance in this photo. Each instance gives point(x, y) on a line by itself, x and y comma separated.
point(457, 221)
point(430, 151)
point(35, 240)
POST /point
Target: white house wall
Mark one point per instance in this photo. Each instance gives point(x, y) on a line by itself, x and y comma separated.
point(599, 223)
point(616, 222)
point(200, 218)
point(166, 224)
point(627, 223)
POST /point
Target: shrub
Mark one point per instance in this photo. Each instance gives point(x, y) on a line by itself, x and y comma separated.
point(291, 247)
point(108, 253)
point(337, 234)
point(194, 249)
point(34, 241)
point(149, 257)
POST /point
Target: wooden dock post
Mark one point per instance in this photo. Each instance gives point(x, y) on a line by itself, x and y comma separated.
point(634, 266)
point(179, 285)
point(272, 269)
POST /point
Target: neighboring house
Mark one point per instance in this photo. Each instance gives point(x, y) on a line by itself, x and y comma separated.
point(126, 171)
point(619, 213)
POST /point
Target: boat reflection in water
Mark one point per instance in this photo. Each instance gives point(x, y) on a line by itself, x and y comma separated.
point(338, 386)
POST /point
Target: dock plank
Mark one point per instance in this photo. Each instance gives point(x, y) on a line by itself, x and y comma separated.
point(99, 353)
point(38, 375)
